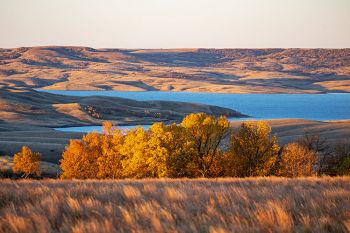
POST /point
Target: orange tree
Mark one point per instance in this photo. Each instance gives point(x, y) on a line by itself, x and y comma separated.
point(81, 156)
point(27, 162)
point(296, 160)
point(109, 161)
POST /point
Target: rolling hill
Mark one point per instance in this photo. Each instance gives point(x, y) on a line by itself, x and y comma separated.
point(204, 70)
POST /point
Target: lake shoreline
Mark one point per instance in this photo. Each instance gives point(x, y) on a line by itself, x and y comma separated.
point(321, 107)
point(131, 126)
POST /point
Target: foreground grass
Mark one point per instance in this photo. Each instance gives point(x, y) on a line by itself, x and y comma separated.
point(202, 205)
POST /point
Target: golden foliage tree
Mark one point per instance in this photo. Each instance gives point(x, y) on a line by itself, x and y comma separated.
point(134, 151)
point(144, 152)
point(27, 162)
point(109, 161)
point(80, 157)
point(205, 134)
point(252, 151)
point(158, 154)
point(179, 161)
point(297, 160)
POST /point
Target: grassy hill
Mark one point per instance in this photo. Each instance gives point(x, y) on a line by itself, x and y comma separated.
point(43, 109)
point(209, 70)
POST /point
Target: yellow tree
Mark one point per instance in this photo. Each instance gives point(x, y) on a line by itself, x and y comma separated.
point(80, 157)
point(144, 152)
point(27, 162)
point(296, 160)
point(157, 152)
point(252, 151)
point(109, 162)
point(134, 151)
point(179, 162)
point(206, 134)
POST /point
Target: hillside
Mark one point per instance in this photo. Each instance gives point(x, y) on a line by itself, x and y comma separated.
point(207, 70)
point(35, 108)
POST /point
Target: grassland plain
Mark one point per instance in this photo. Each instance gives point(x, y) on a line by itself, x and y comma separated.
point(180, 205)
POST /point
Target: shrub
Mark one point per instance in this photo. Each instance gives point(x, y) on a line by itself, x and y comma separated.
point(296, 160)
point(342, 153)
point(27, 162)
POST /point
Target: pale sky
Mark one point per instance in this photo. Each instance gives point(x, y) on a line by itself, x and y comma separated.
point(176, 23)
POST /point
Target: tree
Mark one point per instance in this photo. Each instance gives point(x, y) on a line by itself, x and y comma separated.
point(205, 134)
point(342, 155)
point(296, 160)
point(179, 162)
point(252, 151)
point(135, 151)
point(110, 161)
point(80, 157)
point(315, 142)
point(27, 162)
point(144, 152)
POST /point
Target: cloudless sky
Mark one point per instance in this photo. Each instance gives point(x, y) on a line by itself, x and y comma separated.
point(176, 23)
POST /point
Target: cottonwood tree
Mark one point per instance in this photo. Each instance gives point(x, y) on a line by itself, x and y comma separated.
point(252, 151)
point(110, 160)
point(205, 134)
point(27, 162)
point(80, 158)
point(144, 154)
point(179, 162)
point(297, 160)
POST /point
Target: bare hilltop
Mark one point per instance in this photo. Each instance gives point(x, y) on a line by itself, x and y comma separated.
point(204, 70)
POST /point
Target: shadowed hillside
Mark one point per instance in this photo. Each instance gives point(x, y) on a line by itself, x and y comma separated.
point(43, 109)
point(209, 70)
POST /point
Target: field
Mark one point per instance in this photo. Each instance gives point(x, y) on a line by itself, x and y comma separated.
point(223, 205)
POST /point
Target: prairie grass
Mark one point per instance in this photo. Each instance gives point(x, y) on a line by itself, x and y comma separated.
point(180, 205)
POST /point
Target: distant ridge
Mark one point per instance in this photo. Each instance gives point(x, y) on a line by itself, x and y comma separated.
point(200, 70)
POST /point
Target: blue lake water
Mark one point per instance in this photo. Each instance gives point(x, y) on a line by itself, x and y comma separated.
point(97, 128)
point(259, 106)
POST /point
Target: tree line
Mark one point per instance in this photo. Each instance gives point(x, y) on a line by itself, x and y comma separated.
point(200, 146)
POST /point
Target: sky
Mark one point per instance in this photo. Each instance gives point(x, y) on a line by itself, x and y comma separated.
point(176, 23)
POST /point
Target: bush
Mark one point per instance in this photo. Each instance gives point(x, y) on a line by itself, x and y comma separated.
point(342, 153)
point(26, 162)
point(296, 160)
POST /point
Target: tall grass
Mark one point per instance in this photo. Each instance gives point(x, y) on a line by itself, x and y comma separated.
point(201, 205)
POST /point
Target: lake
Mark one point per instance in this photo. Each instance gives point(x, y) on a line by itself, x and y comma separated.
point(335, 106)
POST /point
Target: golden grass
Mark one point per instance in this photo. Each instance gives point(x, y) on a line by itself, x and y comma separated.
point(181, 205)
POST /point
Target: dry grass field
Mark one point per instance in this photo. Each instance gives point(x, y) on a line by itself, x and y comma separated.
point(223, 205)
